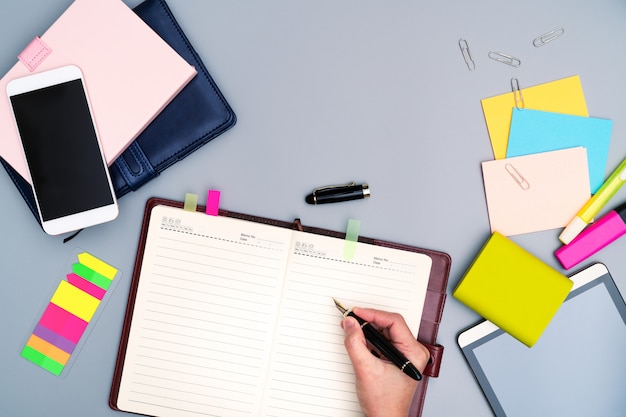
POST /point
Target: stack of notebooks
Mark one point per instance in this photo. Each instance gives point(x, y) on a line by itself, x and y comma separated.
point(153, 99)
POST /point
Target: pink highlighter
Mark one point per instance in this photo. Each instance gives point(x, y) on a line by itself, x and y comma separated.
point(594, 238)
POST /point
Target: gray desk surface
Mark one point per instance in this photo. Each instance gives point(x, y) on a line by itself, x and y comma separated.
point(325, 92)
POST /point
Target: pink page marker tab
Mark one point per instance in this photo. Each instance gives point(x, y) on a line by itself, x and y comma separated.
point(63, 323)
point(86, 286)
point(34, 54)
point(213, 203)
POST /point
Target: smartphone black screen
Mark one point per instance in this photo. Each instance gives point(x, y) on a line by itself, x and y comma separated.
point(62, 150)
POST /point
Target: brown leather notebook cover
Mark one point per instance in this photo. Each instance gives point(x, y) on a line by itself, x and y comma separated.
point(431, 315)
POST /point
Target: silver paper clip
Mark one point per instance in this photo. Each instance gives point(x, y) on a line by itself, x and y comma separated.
point(548, 37)
point(519, 179)
point(505, 59)
point(467, 55)
point(517, 94)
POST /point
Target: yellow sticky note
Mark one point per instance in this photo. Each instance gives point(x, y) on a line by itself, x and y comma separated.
point(97, 265)
point(513, 289)
point(562, 96)
point(75, 301)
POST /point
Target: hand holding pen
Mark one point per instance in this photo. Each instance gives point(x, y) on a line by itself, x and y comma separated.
point(383, 390)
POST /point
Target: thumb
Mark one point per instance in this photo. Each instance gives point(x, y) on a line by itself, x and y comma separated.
point(354, 342)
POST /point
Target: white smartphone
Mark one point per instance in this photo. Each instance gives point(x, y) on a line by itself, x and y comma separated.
point(59, 138)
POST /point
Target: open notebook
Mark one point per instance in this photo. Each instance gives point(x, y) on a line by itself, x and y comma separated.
point(233, 315)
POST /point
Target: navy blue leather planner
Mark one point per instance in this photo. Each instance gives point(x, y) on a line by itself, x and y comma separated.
point(198, 114)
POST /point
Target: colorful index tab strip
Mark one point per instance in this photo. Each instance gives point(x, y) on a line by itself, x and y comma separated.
point(68, 313)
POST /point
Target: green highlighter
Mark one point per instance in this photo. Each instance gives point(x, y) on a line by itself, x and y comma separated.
point(513, 289)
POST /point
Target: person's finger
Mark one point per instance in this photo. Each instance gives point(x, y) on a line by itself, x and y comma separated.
point(355, 343)
point(394, 327)
point(392, 324)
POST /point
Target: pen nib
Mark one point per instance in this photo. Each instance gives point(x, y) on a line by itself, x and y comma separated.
point(339, 306)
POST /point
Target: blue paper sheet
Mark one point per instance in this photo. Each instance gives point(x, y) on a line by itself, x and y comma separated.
point(534, 131)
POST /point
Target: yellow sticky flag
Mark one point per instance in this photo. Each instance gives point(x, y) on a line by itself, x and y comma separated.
point(97, 265)
point(75, 301)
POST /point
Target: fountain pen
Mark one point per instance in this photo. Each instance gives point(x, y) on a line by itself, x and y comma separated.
point(337, 193)
point(383, 345)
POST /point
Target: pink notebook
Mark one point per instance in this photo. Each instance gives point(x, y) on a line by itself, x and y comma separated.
point(131, 74)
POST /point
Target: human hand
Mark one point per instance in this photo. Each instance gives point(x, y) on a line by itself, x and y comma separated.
point(382, 389)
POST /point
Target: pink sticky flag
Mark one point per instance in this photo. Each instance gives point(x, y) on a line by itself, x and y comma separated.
point(86, 286)
point(213, 203)
point(63, 323)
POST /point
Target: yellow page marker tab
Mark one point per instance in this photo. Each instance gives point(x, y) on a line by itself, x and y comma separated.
point(561, 96)
point(97, 265)
point(352, 237)
point(191, 202)
point(75, 301)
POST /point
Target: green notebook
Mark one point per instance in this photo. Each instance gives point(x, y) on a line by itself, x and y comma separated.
point(513, 289)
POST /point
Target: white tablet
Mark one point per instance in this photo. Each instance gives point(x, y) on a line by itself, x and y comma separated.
point(578, 366)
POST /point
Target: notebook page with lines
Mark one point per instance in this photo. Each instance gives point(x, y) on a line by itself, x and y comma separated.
point(235, 318)
point(310, 372)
